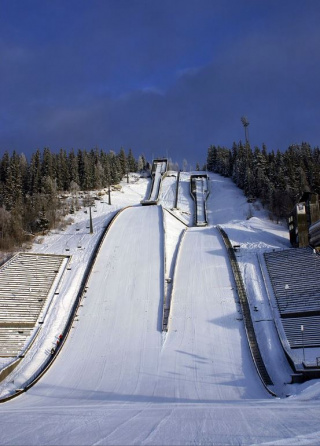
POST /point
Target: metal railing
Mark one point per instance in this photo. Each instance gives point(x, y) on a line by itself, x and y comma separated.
point(251, 336)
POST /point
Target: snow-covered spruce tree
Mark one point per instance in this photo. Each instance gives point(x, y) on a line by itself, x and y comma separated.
point(13, 184)
point(132, 164)
point(212, 159)
point(123, 165)
point(85, 172)
point(115, 168)
point(141, 164)
point(73, 167)
point(42, 223)
point(34, 174)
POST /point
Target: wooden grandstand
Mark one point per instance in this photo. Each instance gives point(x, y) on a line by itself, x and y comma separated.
point(27, 285)
point(294, 275)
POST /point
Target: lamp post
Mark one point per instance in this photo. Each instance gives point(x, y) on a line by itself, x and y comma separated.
point(302, 332)
point(286, 287)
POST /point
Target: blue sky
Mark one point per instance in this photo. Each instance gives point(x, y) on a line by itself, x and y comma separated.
point(160, 77)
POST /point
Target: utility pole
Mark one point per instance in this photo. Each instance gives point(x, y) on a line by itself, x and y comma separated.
point(91, 225)
point(109, 193)
point(177, 191)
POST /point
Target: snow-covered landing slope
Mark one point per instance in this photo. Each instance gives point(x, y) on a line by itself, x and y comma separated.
point(65, 408)
point(168, 190)
point(115, 345)
point(115, 349)
point(75, 240)
point(205, 356)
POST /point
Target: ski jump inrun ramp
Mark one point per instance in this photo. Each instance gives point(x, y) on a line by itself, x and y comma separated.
point(199, 190)
point(159, 168)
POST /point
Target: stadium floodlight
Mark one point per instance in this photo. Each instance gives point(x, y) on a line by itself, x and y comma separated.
point(245, 124)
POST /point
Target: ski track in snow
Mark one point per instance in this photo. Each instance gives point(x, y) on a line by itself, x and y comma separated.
point(119, 379)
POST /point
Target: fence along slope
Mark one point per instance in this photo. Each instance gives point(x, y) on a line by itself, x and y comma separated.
point(253, 343)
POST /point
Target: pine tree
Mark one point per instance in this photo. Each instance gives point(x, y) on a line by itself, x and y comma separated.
point(13, 184)
point(4, 166)
point(132, 164)
point(24, 171)
point(35, 173)
point(46, 167)
point(141, 164)
point(212, 159)
point(73, 167)
point(99, 176)
point(115, 168)
point(84, 170)
point(5, 218)
point(122, 162)
point(42, 221)
point(63, 179)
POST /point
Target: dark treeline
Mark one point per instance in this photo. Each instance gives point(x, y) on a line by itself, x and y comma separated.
point(277, 179)
point(29, 190)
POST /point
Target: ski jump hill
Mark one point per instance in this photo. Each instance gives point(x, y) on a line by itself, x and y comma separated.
point(158, 171)
point(119, 378)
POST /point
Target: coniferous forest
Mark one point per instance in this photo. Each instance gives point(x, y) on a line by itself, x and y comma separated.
point(30, 190)
point(277, 179)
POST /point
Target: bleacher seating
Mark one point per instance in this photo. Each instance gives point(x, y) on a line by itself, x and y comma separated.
point(314, 234)
point(310, 335)
point(25, 283)
point(294, 275)
point(13, 339)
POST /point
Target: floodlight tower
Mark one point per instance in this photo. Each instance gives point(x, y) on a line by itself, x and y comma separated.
point(245, 124)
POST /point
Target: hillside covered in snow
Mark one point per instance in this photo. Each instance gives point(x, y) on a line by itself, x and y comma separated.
point(119, 378)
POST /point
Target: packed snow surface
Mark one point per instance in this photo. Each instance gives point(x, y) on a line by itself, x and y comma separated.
point(118, 379)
